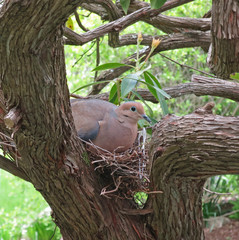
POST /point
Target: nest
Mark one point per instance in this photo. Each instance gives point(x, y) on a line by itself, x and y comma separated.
point(127, 172)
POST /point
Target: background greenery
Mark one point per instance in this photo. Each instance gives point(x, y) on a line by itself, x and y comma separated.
point(23, 212)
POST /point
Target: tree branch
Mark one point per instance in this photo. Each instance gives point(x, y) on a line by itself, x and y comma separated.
point(12, 168)
point(191, 146)
point(175, 41)
point(119, 24)
point(178, 24)
point(114, 26)
point(79, 22)
point(200, 86)
point(98, 8)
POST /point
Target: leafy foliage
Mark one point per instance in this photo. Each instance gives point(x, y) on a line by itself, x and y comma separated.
point(23, 211)
point(228, 188)
point(140, 75)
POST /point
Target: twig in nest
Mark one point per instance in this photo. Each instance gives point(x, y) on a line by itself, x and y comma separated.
point(128, 169)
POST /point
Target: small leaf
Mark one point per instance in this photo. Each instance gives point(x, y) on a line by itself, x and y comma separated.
point(140, 98)
point(113, 98)
point(125, 5)
point(156, 4)
point(234, 76)
point(153, 81)
point(110, 66)
point(91, 84)
point(153, 86)
point(128, 84)
point(69, 23)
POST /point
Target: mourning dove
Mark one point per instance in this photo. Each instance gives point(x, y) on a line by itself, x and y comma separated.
point(106, 125)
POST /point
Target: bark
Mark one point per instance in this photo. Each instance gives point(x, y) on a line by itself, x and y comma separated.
point(33, 81)
point(184, 150)
point(223, 57)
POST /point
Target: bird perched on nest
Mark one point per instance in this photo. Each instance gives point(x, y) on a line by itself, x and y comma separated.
point(106, 125)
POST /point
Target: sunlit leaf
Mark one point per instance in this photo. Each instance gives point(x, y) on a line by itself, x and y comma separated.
point(69, 23)
point(156, 4)
point(125, 5)
point(128, 84)
point(234, 76)
point(110, 66)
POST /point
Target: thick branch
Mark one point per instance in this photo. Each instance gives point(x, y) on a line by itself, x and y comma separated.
point(119, 24)
point(97, 7)
point(200, 86)
point(197, 146)
point(31, 23)
point(184, 152)
point(178, 24)
point(12, 168)
point(215, 87)
point(223, 57)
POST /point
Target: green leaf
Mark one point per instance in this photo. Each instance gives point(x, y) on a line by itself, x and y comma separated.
point(69, 23)
point(234, 76)
point(154, 87)
point(156, 4)
point(110, 66)
point(128, 84)
point(125, 5)
point(154, 79)
point(113, 97)
point(140, 98)
point(163, 104)
point(91, 84)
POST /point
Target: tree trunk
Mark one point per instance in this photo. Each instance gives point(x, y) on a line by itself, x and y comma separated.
point(178, 211)
point(223, 57)
point(33, 81)
point(184, 150)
